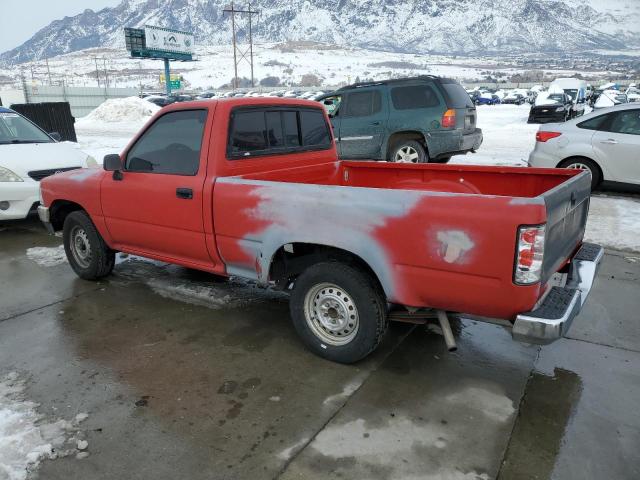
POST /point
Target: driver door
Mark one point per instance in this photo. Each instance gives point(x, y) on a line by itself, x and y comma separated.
point(156, 207)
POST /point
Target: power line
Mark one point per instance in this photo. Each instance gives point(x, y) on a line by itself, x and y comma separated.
point(238, 53)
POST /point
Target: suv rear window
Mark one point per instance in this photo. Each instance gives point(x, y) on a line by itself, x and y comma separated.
point(270, 131)
point(457, 95)
point(413, 97)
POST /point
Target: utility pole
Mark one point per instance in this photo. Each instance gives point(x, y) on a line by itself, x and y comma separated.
point(97, 72)
point(106, 76)
point(239, 53)
point(48, 71)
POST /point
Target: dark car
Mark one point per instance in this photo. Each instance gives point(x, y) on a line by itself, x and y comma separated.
point(487, 99)
point(557, 108)
point(514, 99)
point(417, 120)
point(160, 101)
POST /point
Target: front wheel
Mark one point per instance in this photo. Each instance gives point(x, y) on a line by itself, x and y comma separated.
point(88, 254)
point(408, 151)
point(338, 311)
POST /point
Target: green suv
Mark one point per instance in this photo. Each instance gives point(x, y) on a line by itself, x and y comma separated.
point(417, 120)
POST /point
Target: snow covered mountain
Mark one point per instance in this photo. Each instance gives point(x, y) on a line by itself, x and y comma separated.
point(424, 26)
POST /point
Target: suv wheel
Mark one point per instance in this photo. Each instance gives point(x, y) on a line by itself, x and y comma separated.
point(338, 311)
point(408, 151)
point(581, 163)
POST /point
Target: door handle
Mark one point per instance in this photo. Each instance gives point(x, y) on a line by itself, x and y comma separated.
point(184, 193)
point(611, 141)
point(375, 123)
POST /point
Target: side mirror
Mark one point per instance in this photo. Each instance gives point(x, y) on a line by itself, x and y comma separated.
point(56, 136)
point(112, 162)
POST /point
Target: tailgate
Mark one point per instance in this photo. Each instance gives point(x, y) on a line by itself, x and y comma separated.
point(567, 209)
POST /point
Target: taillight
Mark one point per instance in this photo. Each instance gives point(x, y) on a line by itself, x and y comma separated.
point(544, 136)
point(530, 255)
point(449, 118)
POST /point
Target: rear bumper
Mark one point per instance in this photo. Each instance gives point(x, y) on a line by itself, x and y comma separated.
point(454, 142)
point(552, 319)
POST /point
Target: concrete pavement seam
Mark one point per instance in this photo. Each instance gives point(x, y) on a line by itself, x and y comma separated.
point(286, 465)
point(591, 342)
point(49, 305)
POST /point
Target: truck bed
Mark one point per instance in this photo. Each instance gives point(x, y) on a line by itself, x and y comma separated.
point(442, 236)
point(470, 179)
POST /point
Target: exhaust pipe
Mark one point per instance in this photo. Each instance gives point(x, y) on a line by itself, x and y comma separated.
point(446, 331)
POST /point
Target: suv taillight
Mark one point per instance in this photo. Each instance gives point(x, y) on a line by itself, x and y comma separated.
point(544, 136)
point(530, 254)
point(449, 118)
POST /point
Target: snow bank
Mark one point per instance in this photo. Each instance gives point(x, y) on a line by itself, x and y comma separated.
point(119, 110)
point(24, 438)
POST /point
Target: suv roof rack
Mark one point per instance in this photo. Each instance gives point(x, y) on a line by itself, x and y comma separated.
point(392, 81)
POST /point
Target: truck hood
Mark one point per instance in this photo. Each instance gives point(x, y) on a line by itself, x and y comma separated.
point(25, 157)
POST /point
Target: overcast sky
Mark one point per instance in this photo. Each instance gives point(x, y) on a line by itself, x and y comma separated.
point(22, 18)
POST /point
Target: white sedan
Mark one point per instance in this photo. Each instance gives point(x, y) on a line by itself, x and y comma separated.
point(27, 155)
point(606, 142)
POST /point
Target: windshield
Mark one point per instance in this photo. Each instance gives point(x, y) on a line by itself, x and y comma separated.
point(556, 97)
point(16, 129)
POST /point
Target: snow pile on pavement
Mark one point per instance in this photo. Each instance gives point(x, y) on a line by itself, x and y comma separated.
point(614, 222)
point(119, 110)
point(24, 438)
point(47, 256)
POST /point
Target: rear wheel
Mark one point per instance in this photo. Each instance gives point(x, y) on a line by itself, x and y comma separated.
point(581, 163)
point(338, 311)
point(88, 254)
point(408, 151)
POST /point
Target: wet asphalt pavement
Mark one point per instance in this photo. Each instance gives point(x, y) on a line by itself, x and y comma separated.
point(184, 375)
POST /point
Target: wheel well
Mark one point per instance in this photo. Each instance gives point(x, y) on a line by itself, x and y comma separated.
point(59, 210)
point(292, 259)
point(577, 157)
point(409, 135)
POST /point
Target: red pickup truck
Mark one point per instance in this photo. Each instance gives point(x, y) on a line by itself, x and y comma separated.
point(252, 187)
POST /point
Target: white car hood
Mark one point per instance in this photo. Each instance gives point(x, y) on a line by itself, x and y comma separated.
point(25, 157)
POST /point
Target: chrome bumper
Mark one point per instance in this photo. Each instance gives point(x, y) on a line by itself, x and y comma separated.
point(553, 317)
point(45, 218)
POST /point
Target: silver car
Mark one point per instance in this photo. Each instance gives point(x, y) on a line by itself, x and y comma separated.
point(606, 142)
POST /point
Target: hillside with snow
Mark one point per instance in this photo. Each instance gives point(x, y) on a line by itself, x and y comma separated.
point(422, 26)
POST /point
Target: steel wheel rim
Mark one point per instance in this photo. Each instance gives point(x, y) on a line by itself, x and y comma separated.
point(407, 154)
point(331, 314)
point(578, 166)
point(80, 247)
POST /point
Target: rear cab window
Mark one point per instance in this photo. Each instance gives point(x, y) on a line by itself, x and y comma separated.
point(259, 131)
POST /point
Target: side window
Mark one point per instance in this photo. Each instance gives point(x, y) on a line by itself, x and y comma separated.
point(594, 123)
point(414, 97)
point(171, 146)
point(363, 104)
point(265, 131)
point(315, 132)
point(249, 132)
point(332, 105)
point(626, 121)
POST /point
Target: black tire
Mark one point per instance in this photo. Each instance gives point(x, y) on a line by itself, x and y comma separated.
point(359, 290)
point(596, 174)
point(100, 258)
point(408, 146)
